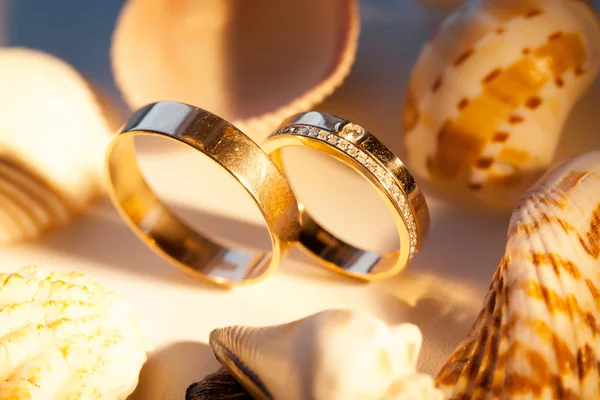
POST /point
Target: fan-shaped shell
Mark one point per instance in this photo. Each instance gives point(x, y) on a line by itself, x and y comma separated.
point(332, 355)
point(63, 336)
point(253, 63)
point(489, 95)
point(52, 141)
point(537, 336)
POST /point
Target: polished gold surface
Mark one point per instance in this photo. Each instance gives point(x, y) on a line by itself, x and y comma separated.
point(364, 153)
point(163, 231)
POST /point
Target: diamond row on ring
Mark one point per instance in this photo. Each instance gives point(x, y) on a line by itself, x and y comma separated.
point(371, 164)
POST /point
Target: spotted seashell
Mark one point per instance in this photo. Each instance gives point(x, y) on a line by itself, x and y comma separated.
point(63, 336)
point(332, 355)
point(489, 95)
point(53, 135)
point(253, 63)
point(537, 336)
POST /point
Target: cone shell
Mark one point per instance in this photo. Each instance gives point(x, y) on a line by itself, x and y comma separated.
point(252, 63)
point(537, 336)
point(490, 93)
point(332, 355)
point(63, 336)
point(52, 140)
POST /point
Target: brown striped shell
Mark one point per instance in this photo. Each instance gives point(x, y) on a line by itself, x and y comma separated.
point(53, 135)
point(537, 336)
point(253, 63)
point(490, 93)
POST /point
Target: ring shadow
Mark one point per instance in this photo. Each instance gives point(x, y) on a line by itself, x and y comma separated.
point(443, 317)
point(169, 371)
point(100, 235)
point(443, 329)
point(443, 288)
point(464, 246)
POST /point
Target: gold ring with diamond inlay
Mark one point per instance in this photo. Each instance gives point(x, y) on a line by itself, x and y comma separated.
point(157, 226)
point(362, 151)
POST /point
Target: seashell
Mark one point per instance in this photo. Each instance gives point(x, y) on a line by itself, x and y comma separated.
point(537, 336)
point(219, 385)
point(52, 140)
point(63, 336)
point(311, 359)
point(490, 94)
point(252, 63)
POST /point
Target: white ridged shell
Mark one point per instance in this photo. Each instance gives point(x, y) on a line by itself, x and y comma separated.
point(332, 355)
point(63, 336)
point(53, 135)
point(537, 336)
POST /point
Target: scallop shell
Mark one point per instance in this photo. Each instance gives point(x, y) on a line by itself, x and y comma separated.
point(490, 94)
point(252, 63)
point(63, 336)
point(332, 355)
point(52, 140)
point(537, 336)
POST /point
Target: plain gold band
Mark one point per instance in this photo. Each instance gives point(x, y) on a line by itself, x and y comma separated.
point(387, 174)
point(233, 151)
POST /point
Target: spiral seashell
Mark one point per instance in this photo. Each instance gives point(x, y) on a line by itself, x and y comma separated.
point(253, 63)
point(63, 336)
point(490, 94)
point(332, 355)
point(537, 336)
point(53, 136)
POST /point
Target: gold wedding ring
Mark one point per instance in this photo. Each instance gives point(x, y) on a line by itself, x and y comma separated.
point(362, 151)
point(163, 231)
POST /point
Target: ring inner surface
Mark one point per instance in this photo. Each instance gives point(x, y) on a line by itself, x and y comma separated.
point(161, 228)
point(321, 242)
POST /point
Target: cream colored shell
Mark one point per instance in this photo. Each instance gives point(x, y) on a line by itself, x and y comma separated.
point(537, 336)
point(252, 63)
point(52, 140)
point(63, 336)
point(332, 355)
point(489, 94)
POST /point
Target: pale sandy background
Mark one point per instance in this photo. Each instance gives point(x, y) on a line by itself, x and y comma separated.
point(441, 291)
